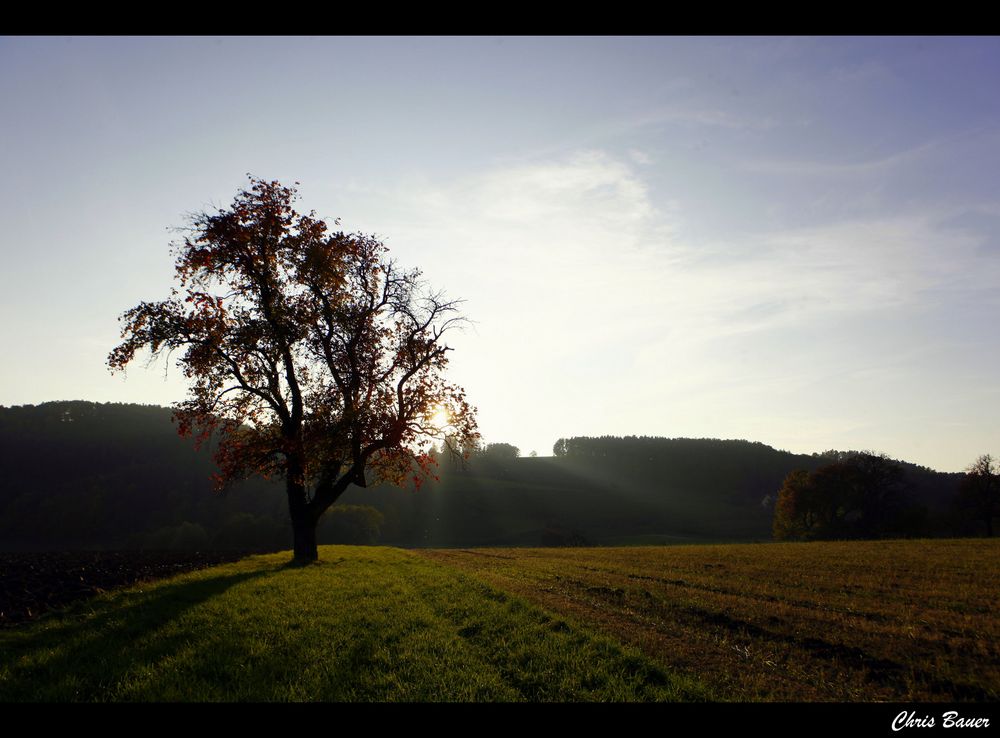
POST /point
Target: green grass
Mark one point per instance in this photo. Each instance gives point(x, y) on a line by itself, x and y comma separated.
point(364, 624)
point(898, 621)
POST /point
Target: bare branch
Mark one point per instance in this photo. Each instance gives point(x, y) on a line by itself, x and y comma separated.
point(311, 353)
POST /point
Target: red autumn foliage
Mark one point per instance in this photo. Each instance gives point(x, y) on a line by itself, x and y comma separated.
point(311, 355)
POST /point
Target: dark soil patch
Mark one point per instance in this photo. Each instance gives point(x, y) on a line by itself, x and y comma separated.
point(34, 583)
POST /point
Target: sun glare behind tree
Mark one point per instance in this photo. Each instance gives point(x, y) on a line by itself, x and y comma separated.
point(311, 355)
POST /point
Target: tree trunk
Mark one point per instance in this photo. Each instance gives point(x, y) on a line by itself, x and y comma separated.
point(303, 521)
point(304, 539)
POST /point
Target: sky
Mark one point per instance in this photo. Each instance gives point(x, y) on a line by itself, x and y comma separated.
point(787, 240)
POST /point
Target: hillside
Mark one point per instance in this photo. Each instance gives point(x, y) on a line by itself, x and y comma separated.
point(86, 475)
point(616, 491)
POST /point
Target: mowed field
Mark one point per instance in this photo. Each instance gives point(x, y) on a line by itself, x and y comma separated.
point(845, 621)
point(860, 621)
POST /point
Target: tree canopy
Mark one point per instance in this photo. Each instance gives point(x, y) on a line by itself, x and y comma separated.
point(310, 354)
point(862, 495)
point(979, 492)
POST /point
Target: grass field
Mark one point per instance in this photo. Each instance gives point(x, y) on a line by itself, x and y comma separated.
point(851, 621)
point(363, 624)
point(861, 621)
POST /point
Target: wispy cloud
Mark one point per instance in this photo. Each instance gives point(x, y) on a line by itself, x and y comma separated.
point(865, 167)
point(640, 157)
point(867, 72)
point(587, 300)
point(585, 230)
point(980, 138)
point(588, 180)
point(703, 116)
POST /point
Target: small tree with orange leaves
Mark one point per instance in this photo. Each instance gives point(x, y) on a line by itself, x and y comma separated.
point(311, 355)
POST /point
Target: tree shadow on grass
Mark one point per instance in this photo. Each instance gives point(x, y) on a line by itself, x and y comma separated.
point(105, 649)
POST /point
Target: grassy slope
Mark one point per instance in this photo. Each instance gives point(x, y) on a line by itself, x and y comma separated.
point(894, 620)
point(364, 624)
point(852, 621)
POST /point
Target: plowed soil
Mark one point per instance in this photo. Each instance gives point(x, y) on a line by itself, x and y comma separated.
point(34, 583)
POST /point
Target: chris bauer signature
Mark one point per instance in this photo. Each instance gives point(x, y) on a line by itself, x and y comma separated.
point(950, 719)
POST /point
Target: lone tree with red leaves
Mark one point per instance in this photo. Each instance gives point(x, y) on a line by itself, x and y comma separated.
point(311, 355)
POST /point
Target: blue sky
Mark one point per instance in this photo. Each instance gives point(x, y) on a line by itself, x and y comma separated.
point(791, 240)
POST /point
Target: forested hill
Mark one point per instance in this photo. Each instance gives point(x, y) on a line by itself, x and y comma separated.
point(86, 475)
point(742, 472)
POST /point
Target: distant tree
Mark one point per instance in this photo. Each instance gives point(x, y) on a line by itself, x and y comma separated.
point(794, 518)
point(502, 451)
point(878, 494)
point(358, 525)
point(859, 496)
point(559, 449)
point(492, 459)
point(311, 355)
point(979, 492)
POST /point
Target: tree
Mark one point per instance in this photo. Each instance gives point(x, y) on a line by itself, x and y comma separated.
point(861, 495)
point(793, 517)
point(310, 354)
point(357, 525)
point(501, 451)
point(878, 495)
point(979, 491)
